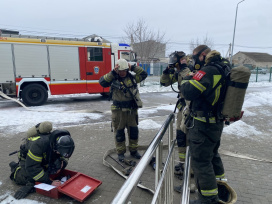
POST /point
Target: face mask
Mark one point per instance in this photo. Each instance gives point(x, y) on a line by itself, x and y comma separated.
point(197, 63)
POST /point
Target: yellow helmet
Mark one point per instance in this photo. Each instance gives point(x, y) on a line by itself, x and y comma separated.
point(226, 193)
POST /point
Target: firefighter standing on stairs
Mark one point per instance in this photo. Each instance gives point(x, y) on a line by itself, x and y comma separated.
point(126, 101)
point(181, 74)
point(205, 127)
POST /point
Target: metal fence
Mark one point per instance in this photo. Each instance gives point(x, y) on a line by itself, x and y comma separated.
point(259, 74)
point(163, 179)
point(154, 69)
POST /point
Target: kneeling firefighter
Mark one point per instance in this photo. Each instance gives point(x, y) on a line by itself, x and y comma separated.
point(42, 154)
point(126, 101)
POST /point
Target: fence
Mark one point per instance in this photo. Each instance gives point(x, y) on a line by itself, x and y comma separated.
point(163, 180)
point(258, 74)
point(261, 75)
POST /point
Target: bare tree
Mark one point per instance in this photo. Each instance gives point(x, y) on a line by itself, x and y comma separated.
point(147, 43)
point(196, 42)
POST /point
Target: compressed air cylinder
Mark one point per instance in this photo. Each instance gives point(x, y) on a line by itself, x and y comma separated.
point(239, 79)
point(41, 128)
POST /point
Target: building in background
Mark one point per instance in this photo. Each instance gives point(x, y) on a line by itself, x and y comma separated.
point(149, 50)
point(252, 59)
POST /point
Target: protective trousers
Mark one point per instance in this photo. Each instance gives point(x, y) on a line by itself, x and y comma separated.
point(204, 141)
point(181, 132)
point(120, 121)
point(19, 176)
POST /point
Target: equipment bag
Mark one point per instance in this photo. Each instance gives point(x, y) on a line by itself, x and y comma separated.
point(235, 93)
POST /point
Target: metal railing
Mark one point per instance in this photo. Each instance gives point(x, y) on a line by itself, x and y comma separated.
point(186, 178)
point(166, 176)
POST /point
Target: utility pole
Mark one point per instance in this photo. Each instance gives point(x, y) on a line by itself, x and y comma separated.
point(234, 32)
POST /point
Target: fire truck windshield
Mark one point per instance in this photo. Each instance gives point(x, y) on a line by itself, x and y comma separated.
point(129, 56)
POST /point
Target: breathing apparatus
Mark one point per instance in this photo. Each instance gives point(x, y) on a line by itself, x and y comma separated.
point(197, 63)
point(174, 62)
point(174, 59)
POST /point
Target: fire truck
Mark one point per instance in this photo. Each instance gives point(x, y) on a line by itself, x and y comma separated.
point(34, 68)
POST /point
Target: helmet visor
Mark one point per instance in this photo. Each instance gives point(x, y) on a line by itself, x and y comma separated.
point(172, 59)
point(66, 152)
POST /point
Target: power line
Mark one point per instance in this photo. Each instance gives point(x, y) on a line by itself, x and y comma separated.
point(80, 35)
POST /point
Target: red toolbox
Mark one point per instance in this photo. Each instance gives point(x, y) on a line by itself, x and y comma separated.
point(79, 186)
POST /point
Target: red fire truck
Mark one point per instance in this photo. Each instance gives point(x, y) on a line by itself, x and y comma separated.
point(33, 68)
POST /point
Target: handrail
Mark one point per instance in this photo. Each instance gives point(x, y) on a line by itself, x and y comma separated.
point(163, 173)
point(126, 190)
point(186, 178)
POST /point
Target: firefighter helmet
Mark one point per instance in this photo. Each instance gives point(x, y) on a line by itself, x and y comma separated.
point(123, 64)
point(175, 57)
point(65, 146)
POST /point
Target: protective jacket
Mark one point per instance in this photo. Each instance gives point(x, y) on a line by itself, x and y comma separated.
point(203, 90)
point(168, 78)
point(38, 160)
point(124, 91)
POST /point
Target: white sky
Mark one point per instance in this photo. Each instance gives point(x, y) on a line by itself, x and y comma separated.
point(26, 119)
point(182, 21)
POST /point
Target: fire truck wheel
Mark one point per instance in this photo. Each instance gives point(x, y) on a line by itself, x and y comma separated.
point(34, 95)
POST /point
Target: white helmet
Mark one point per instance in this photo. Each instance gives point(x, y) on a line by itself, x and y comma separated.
point(123, 64)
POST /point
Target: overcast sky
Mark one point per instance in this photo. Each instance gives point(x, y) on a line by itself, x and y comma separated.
point(181, 21)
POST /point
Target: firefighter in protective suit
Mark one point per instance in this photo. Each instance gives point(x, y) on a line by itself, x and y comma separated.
point(40, 156)
point(176, 71)
point(205, 125)
point(126, 101)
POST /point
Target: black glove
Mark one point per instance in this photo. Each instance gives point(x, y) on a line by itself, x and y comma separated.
point(114, 73)
point(24, 191)
point(166, 71)
point(132, 67)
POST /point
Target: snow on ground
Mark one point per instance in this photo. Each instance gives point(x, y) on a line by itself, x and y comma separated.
point(149, 124)
point(241, 129)
point(7, 198)
point(24, 118)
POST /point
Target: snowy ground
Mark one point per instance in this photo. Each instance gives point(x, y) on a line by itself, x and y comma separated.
point(258, 94)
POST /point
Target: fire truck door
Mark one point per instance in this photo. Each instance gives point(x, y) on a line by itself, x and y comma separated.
point(97, 64)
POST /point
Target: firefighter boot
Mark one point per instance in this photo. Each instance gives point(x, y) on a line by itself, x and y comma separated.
point(205, 200)
point(136, 155)
point(179, 169)
point(121, 157)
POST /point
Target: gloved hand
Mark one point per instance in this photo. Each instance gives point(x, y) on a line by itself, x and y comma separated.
point(132, 67)
point(114, 73)
point(166, 71)
point(24, 191)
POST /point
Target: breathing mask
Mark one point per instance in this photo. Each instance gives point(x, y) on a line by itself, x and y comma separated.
point(174, 58)
point(197, 63)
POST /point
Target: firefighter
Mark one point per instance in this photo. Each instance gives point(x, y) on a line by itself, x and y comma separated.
point(39, 157)
point(205, 124)
point(176, 71)
point(126, 101)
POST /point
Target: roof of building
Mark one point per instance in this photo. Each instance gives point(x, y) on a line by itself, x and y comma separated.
point(258, 56)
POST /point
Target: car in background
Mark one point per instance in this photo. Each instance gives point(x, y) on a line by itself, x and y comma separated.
point(259, 71)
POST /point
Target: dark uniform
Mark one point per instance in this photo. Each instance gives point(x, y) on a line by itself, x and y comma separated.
point(40, 156)
point(34, 161)
point(124, 108)
point(206, 125)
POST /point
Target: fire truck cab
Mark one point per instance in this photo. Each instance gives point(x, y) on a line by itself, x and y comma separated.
point(34, 68)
